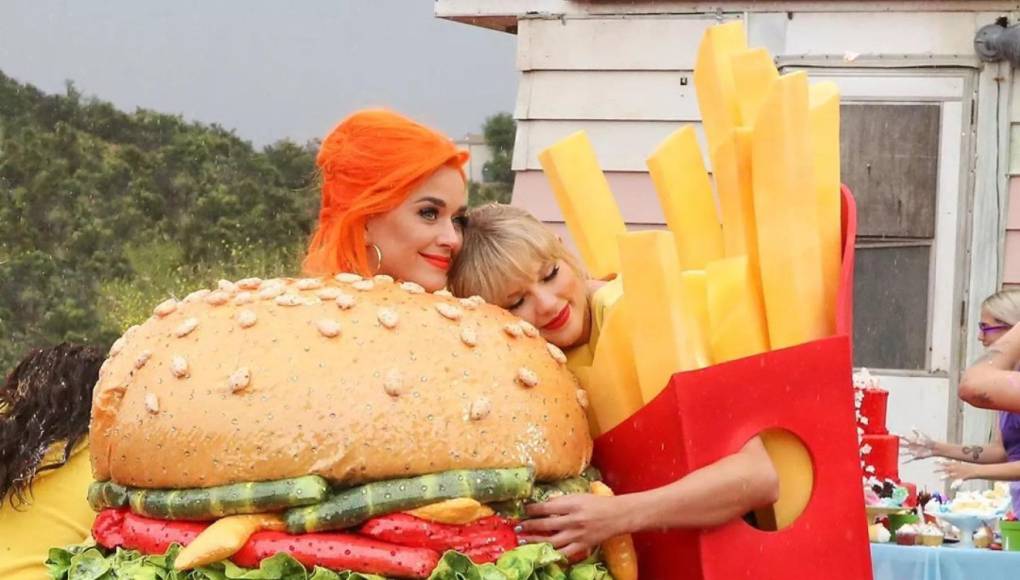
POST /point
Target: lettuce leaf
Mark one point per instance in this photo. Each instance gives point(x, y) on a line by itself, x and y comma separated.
point(530, 562)
point(58, 563)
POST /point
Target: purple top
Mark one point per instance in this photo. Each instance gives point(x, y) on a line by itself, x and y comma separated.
point(1009, 425)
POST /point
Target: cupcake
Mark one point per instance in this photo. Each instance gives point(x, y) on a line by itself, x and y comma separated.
point(930, 535)
point(878, 534)
point(906, 535)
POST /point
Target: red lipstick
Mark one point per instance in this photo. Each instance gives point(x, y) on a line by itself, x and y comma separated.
point(560, 320)
point(441, 262)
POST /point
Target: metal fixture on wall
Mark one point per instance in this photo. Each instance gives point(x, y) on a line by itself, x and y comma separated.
point(999, 41)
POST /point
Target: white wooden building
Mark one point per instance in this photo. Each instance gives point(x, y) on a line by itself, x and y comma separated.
point(474, 143)
point(927, 135)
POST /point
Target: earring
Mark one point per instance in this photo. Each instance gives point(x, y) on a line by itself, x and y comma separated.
point(378, 258)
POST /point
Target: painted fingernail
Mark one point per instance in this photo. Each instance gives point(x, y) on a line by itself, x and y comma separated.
point(521, 541)
point(518, 529)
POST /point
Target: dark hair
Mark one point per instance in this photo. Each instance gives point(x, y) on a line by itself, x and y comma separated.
point(46, 399)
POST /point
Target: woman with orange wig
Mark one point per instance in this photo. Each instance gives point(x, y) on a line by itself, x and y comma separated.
point(393, 200)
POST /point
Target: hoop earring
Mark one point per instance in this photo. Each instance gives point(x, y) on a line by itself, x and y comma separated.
point(378, 258)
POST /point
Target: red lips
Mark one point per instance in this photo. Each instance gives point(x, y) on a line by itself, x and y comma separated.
point(560, 320)
point(441, 262)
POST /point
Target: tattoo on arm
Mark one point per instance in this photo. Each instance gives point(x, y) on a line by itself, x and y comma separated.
point(982, 400)
point(974, 451)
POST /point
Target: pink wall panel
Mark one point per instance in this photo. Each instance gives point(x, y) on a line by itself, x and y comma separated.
point(640, 208)
point(633, 192)
point(1011, 264)
point(1013, 215)
point(561, 230)
point(1011, 267)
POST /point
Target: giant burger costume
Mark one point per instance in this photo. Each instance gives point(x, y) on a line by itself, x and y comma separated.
point(340, 427)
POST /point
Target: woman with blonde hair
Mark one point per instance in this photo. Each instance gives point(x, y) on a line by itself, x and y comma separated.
point(393, 200)
point(512, 260)
point(993, 383)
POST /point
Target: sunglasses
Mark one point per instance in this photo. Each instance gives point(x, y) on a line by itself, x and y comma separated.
point(984, 327)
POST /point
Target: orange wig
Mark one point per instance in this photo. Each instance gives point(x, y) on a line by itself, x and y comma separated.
point(370, 163)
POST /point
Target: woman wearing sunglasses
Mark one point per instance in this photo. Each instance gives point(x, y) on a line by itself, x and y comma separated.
point(991, 383)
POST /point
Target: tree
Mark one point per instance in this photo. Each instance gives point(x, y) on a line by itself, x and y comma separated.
point(104, 214)
point(499, 130)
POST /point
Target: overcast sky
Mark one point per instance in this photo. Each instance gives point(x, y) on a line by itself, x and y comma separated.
point(267, 68)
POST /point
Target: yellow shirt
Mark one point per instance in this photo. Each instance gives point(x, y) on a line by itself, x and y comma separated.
point(579, 358)
point(58, 515)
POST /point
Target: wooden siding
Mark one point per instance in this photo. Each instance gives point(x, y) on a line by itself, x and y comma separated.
point(607, 95)
point(619, 145)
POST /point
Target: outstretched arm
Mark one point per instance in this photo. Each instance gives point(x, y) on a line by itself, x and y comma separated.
point(992, 472)
point(918, 445)
point(991, 382)
point(707, 497)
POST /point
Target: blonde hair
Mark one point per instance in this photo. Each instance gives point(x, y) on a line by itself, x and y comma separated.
point(1004, 305)
point(503, 246)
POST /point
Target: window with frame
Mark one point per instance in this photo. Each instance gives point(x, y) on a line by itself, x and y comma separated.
point(889, 159)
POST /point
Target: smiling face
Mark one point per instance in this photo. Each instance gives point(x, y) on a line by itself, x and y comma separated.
point(419, 238)
point(555, 300)
point(513, 260)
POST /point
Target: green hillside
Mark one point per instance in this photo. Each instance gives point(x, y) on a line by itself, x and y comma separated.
point(105, 213)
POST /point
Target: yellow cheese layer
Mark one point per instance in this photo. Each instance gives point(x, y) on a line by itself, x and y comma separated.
point(224, 538)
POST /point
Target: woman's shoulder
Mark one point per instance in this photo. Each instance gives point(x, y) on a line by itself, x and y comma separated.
point(57, 513)
point(77, 460)
point(603, 299)
point(610, 291)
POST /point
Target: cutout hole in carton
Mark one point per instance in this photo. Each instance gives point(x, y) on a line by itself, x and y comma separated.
point(795, 468)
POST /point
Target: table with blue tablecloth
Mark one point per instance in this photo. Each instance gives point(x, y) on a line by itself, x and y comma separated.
point(947, 562)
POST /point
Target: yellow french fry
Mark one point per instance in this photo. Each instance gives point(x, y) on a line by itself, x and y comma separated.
point(613, 387)
point(824, 102)
point(753, 75)
point(786, 216)
point(736, 317)
point(736, 196)
point(618, 551)
point(584, 197)
point(694, 312)
point(685, 194)
point(713, 79)
point(659, 329)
